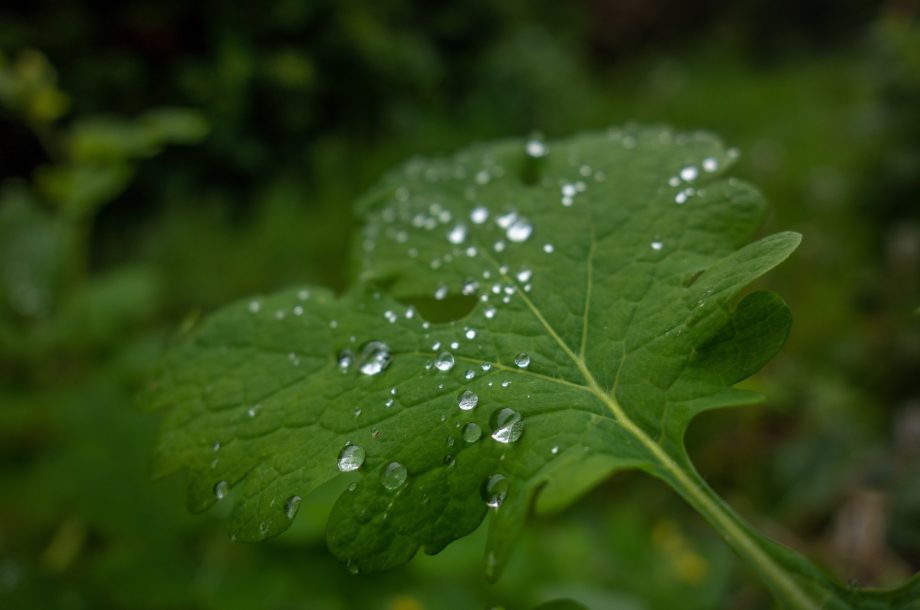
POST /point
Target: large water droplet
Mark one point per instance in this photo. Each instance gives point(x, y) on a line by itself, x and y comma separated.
point(351, 457)
point(522, 360)
point(494, 489)
point(507, 425)
point(220, 490)
point(467, 400)
point(375, 357)
point(444, 361)
point(394, 476)
point(291, 507)
point(471, 432)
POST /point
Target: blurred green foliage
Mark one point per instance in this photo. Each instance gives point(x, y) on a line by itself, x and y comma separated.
point(111, 238)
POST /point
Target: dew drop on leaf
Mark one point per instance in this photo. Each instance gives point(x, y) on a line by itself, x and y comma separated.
point(519, 230)
point(471, 432)
point(507, 425)
point(351, 457)
point(375, 357)
point(220, 490)
point(394, 476)
point(522, 360)
point(457, 235)
point(467, 400)
point(444, 361)
point(291, 506)
point(479, 215)
point(494, 489)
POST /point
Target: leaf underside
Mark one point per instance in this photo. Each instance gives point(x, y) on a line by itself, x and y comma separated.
point(611, 263)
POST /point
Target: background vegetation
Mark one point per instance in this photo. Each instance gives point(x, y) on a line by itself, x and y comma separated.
point(160, 159)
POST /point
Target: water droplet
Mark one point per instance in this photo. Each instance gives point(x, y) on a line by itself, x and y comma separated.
point(689, 173)
point(489, 312)
point(440, 292)
point(548, 248)
point(507, 425)
point(375, 357)
point(469, 374)
point(471, 432)
point(394, 476)
point(522, 360)
point(486, 366)
point(479, 215)
point(457, 235)
point(519, 230)
point(470, 333)
point(291, 506)
point(470, 287)
point(255, 306)
point(554, 450)
point(390, 316)
point(506, 383)
point(215, 447)
point(535, 149)
point(220, 490)
point(303, 295)
point(351, 457)
point(467, 400)
point(524, 275)
point(444, 361)
point(494, 489)
point(710, 164)
point(657, 245)
point(454, 345)
point(253, 410)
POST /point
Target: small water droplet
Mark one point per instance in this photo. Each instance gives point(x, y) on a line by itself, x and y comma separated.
point(470, 287)
point(519, 230)
point(467, 400)
point(469, 374)
point(253, 410)
point(444, 361)
point(440, 292)
point(548, 248)
point(689, 173)
point(479, 215)
point(554, 450)
point(255, 306)
point(657, 245)
point(489, 312)
point(390, 316)
point(470, 333)
point(494, 489)
point(486, 366)
point(524, 275)
point(375, 357)
point(291, 507)
point(471, 432)
point(351, 457)
point(507, 425)
point(522, 360)
point(535, 149)
point(394, 476)
point(506, 383)
point(457, 235)
point(221, 488)
point(710, 164)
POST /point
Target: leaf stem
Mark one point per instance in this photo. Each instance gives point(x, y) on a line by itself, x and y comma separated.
point(733, 529)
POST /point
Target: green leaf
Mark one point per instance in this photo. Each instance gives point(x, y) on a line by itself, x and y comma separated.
point(598, 293)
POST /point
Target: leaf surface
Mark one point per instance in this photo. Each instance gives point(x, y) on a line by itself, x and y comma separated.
point(599, 281)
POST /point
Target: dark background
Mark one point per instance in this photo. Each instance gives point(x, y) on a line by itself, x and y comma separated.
point(160, 159)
